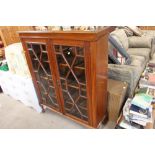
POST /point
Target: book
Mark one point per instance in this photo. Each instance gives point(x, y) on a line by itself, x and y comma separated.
point(151, 64)
point(151, 78)
point(142, 100)
point(128, 125)
point(140, 122)
point(139, 111)
point(151, 92)
point(148, 70)
point(143, 90)
point(126, 108)
point(118, 127)
point(148, 91)
point(136, 117)
point(145, 83)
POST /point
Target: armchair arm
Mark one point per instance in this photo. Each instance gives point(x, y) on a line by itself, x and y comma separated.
point(124, 73)
point(139, 42)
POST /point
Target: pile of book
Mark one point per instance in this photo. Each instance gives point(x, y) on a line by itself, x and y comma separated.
point(148, 77)
point(137, 112)
point(139, 109)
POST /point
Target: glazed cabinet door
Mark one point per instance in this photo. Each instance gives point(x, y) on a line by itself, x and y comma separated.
point(71, 67)
point(37, 54)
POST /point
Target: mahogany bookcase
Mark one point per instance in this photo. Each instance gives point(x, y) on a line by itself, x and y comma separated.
point(69, 72)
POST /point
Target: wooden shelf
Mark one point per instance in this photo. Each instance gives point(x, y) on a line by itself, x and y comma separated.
point(43, 77)
point(73, 86)
point(76, 67)
point(46, 61)
point(77, 105)
point(79, 67)
point(44, 51)
point(63, 65)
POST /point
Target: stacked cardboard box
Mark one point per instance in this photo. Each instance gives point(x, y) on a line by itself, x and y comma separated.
point(116, 97)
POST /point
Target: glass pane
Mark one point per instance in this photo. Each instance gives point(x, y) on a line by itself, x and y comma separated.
point(69, 54)
point(71, 65)
point(63, 67)
point(63, 84)
point(40, 63)
point(83, 90)
point(57, 48)
point(46, 67)
point(80, 51)
point(36, 49)
point(79, 69)
point(44, 57)
point(28, 45)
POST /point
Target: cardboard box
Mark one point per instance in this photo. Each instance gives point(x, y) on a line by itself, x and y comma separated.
point(116, 97)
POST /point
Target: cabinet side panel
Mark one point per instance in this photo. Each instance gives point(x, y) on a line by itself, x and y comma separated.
point(101, 77)
point(93, 48)
point(89, 80)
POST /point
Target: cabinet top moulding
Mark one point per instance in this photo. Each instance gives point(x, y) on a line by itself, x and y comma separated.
point(69, 35)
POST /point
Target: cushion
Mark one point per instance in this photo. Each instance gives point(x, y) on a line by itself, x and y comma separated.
point(137, 60)
point(126, 73)
point(149, 33)
point(120, 35)
point(126, 30)
point(140, 42)
point(137, 31)
point(117, 52)
point(145, 52)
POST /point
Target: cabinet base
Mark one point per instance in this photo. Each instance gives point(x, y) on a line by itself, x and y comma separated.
point(44, 107)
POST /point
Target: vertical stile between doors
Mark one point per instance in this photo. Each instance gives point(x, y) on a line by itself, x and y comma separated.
point(53, 65)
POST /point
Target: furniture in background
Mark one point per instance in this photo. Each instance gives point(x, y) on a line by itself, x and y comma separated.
point(69, 71)
point(116, 96)
point(9, 35)
point(141, 51)
point(148, 125)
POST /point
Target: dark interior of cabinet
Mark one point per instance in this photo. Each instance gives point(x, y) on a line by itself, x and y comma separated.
point(41, 69)
point(71, 65)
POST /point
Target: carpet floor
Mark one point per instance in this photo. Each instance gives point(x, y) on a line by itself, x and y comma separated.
point(15, 115)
